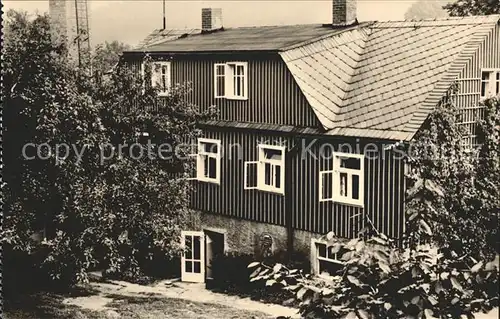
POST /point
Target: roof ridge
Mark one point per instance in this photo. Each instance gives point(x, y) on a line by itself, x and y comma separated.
point(474, 17)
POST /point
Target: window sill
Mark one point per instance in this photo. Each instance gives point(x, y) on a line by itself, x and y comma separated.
point(236, 98)
point(206, 180)
point(343, 202)
point(272, 191)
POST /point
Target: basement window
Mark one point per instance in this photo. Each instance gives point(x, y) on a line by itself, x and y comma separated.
point(268, 173)
point(231, 80)
point(208, 161)
point(326, 258)
point(345, 183)
point(490, 83)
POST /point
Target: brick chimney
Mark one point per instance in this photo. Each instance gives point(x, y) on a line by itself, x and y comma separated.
point(343, 13)
point(211, 19)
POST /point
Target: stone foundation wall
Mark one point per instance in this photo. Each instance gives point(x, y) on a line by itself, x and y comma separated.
point(246, 237)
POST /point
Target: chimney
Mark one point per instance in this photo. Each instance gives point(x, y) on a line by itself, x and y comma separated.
point(344, 13)
point(211, 19)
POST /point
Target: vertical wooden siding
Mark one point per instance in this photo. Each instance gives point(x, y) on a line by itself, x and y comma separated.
point(273, 95)
point(487, 56)
point(384, 190)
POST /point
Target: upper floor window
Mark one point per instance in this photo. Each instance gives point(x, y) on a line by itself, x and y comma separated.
point(161, 76)
point(490, 82)
point(208, 161)
point(231, 80)
point(345, 183)
point(268, 173)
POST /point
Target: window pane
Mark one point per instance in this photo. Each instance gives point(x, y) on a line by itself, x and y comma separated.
point(485, 83)
point(220, 86)
point(267, 174)
point(355, 186)
point(277, 170)
point(189, 246)
point(331, 255)
point(321, 250)
point(220, 69)
point(343, 184)
point(189, 266)
point(272, 154)
point(209, 147)
point(212, 167)
point(329, 267)
point(197, 267)
point(327, 183)
point(197, 247)
point(351, 163)
point(498, 83)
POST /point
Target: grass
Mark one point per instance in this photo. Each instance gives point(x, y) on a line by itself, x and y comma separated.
point(50, 306)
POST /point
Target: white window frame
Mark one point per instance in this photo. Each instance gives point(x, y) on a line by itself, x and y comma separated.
point(316, 258)
point(261, 170)
point(335, 195)
point(230, 77)
point(493, 81)
point(200, 164)
point(157, 76)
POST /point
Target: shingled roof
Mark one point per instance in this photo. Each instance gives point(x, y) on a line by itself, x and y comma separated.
point(385, 77)
point(377, 79)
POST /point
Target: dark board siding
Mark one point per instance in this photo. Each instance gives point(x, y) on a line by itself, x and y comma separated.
point(273, 95)
point(487, 56)
point(384, 191)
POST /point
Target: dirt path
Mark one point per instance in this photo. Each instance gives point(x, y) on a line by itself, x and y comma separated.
point(179, 290)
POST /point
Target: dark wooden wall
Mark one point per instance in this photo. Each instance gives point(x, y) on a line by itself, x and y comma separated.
point(384, 189)
point(487, 56)
point(273, 95)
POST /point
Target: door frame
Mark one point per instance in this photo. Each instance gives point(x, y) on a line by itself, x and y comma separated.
point(192, 276)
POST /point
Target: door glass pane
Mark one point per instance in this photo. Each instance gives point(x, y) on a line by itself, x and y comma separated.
point(189, 266)
point(197, 267)
point(355, 186)
point(189, 247)
point(197, 247)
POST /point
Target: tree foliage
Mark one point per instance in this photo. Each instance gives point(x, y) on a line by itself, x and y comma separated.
point(425, 9)
point(95, 210)
point(473, 7)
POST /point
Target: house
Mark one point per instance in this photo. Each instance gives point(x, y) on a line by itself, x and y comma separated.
point(310, 119)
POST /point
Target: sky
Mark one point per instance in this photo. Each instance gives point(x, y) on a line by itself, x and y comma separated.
point(130, 21)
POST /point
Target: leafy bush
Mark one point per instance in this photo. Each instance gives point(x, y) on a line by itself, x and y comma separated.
point(117, 213)
point(380, 281)
point(230, 275)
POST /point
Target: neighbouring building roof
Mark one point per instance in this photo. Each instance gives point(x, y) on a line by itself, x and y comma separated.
point(377, 79)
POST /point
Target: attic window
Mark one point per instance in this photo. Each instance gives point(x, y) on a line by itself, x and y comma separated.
point(231, 80)
point(162, 77)
point(490, 82)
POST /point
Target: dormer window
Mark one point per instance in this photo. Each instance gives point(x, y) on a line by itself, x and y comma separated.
point(231, 80)
point(490, 83)
point(161, 76)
